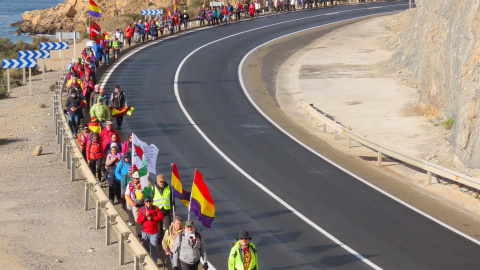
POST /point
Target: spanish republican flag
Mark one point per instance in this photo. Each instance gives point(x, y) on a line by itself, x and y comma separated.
point(175, 8)
point(94, 125)
point(168, 12)
point(95, 10)
point(177, 190)
point(122, 111)
point(201, 203)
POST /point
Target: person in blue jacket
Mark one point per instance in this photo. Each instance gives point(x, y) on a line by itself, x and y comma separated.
point(121, 170)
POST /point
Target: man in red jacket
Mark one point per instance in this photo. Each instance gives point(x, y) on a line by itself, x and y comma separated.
point(149, 216)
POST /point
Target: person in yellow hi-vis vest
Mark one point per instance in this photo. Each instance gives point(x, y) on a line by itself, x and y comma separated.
point(115, 46)
point(243, 255)
point(162, 198)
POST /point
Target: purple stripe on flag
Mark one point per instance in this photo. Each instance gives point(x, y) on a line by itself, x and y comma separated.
point(95, 14)
point(183, 196)
point(196, 209)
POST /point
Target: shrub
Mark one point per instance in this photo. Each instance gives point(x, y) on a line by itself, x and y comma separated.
point(448, 123)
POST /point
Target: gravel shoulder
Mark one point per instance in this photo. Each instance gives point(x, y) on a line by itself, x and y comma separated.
point(42, 222)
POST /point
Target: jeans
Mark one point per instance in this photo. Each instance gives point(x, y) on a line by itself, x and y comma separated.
point(73, 121)
point(150, 244)
point(106, 56)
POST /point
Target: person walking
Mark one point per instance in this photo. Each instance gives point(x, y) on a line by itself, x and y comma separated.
point(113, 158)
point(95, 155)
point(136, 32)
point(123, 170)
point(251, 9)
point(135, 200)
point(243, 255)
point(186, 18)
point(129, 34)
point(115, 45)
point(225, 14)
point(74, 109)
point(149, 217)
point(201, 15)
point(162, 198)
point(171, 235)
point(189, 247)
point(83, 139)
point(101, 112)
point(118, 100)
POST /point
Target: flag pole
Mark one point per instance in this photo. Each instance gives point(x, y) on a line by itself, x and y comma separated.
point(190, 204)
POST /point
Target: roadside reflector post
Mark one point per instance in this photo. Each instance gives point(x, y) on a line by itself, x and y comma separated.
point(429, 177)
point(379, 159)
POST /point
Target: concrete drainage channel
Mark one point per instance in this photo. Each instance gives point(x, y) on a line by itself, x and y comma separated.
point(74, 160)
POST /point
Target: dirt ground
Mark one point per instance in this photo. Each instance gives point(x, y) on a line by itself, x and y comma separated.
point(348, 74)
point(42, 222)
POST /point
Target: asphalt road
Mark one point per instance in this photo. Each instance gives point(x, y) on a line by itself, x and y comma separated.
point(383, 231)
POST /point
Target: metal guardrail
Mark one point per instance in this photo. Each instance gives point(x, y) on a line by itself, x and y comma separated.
point(72, 155)
point(428, 167)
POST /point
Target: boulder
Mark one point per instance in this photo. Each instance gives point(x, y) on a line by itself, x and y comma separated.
point(38, 151)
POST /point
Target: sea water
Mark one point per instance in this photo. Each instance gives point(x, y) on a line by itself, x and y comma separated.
point(11, 11)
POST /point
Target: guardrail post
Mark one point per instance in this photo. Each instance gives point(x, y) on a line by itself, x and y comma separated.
point(349, 142)
point(136, 263)
point(64, 147)
point(98, 211)
point(123, 236)
point(379, 159)
point(137, 260)
point(61, 140)
point(87, 195)
point(68, 159)
point(335, 133)
point(325, 127)
point(108, 230)
point(73, 166)
point(429, 177)
point(55, 119)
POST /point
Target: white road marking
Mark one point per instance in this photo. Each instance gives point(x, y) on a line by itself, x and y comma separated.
point(266, 190)
point(221, 153)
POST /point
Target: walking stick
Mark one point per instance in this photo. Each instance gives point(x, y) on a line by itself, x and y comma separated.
point(166, 260)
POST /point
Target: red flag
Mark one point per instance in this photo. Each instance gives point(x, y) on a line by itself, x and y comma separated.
point(95, 32)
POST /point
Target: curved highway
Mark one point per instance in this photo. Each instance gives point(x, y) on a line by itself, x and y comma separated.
point(363, 227)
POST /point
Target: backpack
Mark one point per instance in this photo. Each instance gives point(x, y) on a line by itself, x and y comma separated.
point(138, 28)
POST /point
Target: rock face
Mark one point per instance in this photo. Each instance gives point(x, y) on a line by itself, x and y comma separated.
point(440, 46)
point(72, 15)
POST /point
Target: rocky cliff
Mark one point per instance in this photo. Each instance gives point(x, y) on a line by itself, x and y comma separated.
point(440, 47)
point(73, 14)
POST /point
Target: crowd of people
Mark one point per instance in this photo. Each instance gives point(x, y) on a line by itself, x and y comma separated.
point(110, 159)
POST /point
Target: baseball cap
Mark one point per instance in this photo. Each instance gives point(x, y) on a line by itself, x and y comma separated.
point(189, 223)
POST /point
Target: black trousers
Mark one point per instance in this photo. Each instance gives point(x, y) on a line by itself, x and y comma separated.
point(96, 164)
point(114, 189)
point(119, 121)
point(185, 266)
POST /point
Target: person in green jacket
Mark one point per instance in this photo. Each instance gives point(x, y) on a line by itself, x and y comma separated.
point(243, 254)
point(101, 111)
